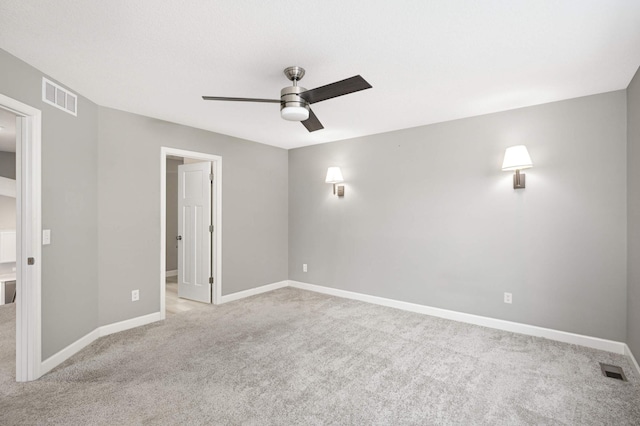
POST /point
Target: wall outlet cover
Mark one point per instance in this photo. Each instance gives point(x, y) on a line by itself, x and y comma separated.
point(508, 298)
point(304, 267)
point(135, 295)
point(46, 237)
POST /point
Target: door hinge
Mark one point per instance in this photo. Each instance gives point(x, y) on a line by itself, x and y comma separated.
point(211, 177)
point(210, 280)
point(210, 228)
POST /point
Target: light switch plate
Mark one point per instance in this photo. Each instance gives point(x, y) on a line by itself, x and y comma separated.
point(46, 237)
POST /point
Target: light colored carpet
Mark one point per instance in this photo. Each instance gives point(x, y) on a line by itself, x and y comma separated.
point(296, 357)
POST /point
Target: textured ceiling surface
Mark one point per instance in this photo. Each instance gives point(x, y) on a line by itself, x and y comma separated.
point(428, 61)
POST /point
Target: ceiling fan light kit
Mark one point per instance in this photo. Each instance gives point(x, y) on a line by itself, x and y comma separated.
point(293, 107)
point(294, 113)
point(295, 100)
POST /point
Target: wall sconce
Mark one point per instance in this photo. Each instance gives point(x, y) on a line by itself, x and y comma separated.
point(334, 175)
point(517, 158)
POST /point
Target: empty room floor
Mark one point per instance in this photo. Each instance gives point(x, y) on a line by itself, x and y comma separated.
point(295, 357)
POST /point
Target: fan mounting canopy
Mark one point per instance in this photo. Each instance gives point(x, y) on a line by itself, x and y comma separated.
point(294, 73)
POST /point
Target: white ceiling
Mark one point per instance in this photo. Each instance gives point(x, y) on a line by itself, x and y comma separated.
point(428, 61)
point(7, 131)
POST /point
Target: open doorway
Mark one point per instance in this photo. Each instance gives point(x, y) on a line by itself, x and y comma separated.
point(8, 243)
point(20, 251)
point(191, 208)
point(8, 216)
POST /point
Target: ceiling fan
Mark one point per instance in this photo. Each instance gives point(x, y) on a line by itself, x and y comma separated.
point(295, 100)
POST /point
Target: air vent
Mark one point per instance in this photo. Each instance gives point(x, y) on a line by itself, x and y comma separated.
point(613, 371)
point(59, 97)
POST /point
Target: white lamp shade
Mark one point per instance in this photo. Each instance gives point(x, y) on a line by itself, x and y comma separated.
point(334, 175)
point(294, 113)
point(516, 158)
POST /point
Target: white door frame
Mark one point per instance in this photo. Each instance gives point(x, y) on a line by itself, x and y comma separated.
point(216, 161)
point(28, 238)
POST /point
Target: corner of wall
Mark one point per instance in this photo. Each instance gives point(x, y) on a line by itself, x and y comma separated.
point(633, 217)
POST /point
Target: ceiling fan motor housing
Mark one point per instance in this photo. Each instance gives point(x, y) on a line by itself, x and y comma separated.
point(292, 106)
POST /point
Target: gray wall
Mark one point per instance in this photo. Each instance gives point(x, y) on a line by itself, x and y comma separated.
point(429, 217)
point(8, 164)
point(69, 208)
point(171, 259)
point(633, 219)
point(254, 210)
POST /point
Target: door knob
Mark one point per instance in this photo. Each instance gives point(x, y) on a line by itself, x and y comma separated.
point(179, 237)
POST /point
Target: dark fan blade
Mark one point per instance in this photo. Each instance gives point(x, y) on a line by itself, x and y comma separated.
point(333, 90)
point(312, 123)
point(222, 98)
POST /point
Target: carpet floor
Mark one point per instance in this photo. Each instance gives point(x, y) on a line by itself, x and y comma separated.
point(292, 357)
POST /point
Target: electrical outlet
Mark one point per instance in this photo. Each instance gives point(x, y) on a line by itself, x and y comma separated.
point(507, 298)
point(304, 267)
point(46, 237)
point(135, 295)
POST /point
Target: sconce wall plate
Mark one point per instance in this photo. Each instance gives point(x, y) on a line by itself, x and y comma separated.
point(340, 190)
point(519, 180)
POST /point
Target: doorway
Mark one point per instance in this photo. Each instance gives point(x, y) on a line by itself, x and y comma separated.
point(8, 221)
point(27, 237)
point(8, 243)
point(169, 245)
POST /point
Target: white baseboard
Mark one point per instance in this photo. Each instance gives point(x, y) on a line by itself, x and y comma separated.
point(173, 273)
point(59, 357)
point(253, 291)
point(62, 355)
point(634, 363)
point(105, 330)
point(529, 330)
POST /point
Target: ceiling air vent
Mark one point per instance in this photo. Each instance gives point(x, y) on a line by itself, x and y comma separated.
point(59, 97)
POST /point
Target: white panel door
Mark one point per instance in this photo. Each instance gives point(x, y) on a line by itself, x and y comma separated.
point(194, 229)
